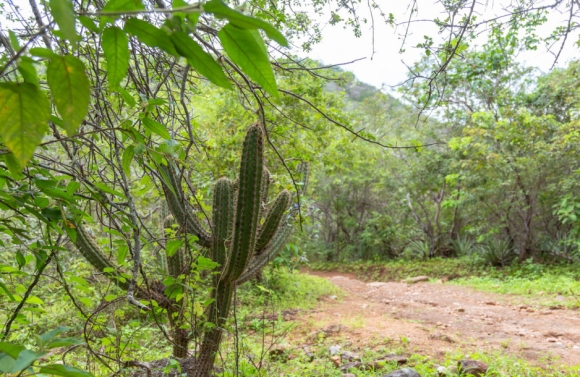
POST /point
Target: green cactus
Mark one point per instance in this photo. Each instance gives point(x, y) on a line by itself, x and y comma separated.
point(237, 242)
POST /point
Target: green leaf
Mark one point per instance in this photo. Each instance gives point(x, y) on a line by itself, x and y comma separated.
point(64, 370)
point(206, 264)
point(34, 300)
point(5, 289)
point(6, 363)
point(23, 119)
point(221, 10)
point(109, 190)
point(24, 360)
point(89, 24)
point(13, 350)
point(70, 90)
point(156, 127)
point(63, 342)
point(122, 254)
point(64, 16)
point(118, 7)
point(246, 48)
point(199, 59)
point(13, 40)
point(20, 259)
point(127, 97)
point(42, 52)
point(47, 336)
point(128, 158)
point(150, 35)
point(13, 166)
point(172, 246)
point(116, 48)
point(27, 70)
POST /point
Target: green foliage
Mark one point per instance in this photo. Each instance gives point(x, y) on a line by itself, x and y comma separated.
point(16, 359)
point(69, 86)
point(25, 111)
point(116, 49)
point(498, 252)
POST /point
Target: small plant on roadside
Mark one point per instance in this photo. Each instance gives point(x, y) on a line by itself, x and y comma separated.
point(498, 252)
point(462, 246)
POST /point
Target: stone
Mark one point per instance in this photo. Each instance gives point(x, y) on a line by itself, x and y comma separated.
point(309, 354)
point(399, 359)
point(334, 350)
point(460, 310)
point(334, 329)
point(475, 367)
point(347, 375)
point(336, 360)
point(350, 356)
point(406, 372)
point(490, 303)
point(333, 297)
point(416, 279)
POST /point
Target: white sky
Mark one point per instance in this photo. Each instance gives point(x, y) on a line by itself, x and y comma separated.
point(386, 66)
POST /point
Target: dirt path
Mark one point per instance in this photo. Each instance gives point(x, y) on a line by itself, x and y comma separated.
point(434, 319)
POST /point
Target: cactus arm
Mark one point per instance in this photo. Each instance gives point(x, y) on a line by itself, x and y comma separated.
point(93, 254)
point(268, 254)
point(223, 208)
point(272, 221)
point(179, 207)
point(248, 204)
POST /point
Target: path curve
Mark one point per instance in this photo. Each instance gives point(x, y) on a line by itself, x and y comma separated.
point(438, 318)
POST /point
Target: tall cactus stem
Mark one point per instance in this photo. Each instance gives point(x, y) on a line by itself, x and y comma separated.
point(218, 314)
point(248, 204)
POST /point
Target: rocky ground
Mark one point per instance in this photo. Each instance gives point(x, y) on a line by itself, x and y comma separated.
point(435, 319)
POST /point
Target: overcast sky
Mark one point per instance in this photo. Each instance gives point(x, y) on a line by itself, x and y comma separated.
point(386, 66)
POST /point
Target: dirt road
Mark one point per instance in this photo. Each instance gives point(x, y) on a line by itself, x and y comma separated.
point(434, 319)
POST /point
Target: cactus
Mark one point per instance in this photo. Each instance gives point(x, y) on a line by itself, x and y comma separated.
point(237, 242)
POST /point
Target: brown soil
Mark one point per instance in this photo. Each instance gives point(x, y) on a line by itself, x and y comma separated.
point(435, 319)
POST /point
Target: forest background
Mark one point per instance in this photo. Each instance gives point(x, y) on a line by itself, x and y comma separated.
point(476, 158)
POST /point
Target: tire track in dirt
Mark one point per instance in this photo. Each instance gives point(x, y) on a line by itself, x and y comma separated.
point(438, 318)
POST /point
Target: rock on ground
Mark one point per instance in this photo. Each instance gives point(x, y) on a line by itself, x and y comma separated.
point(406, 372)
point(474, 367)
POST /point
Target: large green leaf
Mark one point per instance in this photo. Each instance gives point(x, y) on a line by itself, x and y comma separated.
point(199, 59)
point(13, 350)
point(247, 49)
point(25, 358)
point(64, 370)
point(150, 35)
point(221, 10)
point(64, 16)
point(70, 90)
point(119, 6)
point(156, 127)
point(116, 48)
point(23, 119)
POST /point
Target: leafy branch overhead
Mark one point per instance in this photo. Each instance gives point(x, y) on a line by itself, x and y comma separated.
point(26, 112)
